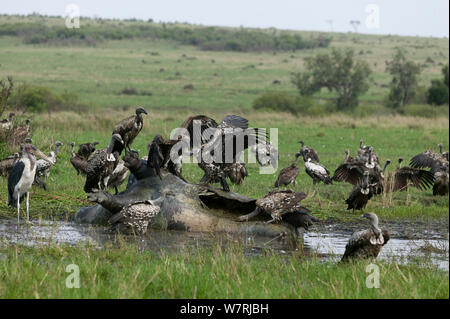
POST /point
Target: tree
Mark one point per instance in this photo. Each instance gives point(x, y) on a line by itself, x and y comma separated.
point(404, 79)
point(337, 72)
point(438, 93)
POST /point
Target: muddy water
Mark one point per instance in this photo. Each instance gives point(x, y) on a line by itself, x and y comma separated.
point(409, 240)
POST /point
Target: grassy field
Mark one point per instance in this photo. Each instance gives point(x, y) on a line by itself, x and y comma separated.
point(98, 73)
point(127, 272)
point(224, 83)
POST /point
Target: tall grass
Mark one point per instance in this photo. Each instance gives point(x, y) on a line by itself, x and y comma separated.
point(125, 271)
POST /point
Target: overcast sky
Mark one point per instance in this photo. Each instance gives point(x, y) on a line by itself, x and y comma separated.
point(402, 17)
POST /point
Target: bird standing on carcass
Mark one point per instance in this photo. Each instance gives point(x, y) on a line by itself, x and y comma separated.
point(130, 127)
point(102, 163)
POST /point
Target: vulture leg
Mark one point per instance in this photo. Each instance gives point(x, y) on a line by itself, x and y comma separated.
point(117, 191)
point(224, 184)
point(248, 216)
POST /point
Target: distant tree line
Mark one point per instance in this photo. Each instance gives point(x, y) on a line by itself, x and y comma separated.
point(348, 77)
point(206, 38)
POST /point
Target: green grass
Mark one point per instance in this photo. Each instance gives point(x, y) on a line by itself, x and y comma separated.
point(127, 272)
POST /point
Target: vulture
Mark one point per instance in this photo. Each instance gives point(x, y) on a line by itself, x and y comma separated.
point(43, 167)
point(222, 145)
point(366, 154)
point(19, 134)
point(130, 127)
point(277, 204)
point(289, 174)
point(316, 171)
point(118, 176)
point(438, 162)
point(194, 127)
point(22, 176)
point(284, 206)
point(135, 217)
point(403, 177)
point(138, 167)
point(80, 158)
point(360, 195)
point(428, 158)
point(348, 158)
point(7, 164)
point(102, 163)
point(441, 180)
point(352, 171)
point(161, 155)
point(307, 152)
point(366, 243)
point(7, 124)
point(237, 173)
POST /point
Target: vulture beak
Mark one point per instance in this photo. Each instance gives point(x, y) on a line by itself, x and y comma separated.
point(39, 154)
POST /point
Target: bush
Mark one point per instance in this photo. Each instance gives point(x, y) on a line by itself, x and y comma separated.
point(206, 38)
point(437, 93)
point(424, 110)
point(283, 102)
point(41, 99)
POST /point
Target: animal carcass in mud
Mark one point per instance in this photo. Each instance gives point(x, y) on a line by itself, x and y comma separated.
point(188, 207)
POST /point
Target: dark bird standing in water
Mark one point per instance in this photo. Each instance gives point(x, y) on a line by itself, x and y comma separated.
point(130, 127)
point(366, 243)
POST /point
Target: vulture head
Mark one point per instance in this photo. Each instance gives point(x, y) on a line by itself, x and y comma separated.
point(373, 219)
point(440, 148)
point(140, 110)
point(302, 143)
point(58, 143)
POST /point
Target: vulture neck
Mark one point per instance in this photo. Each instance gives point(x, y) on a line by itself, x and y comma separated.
point(374, 226)
point(385, 166)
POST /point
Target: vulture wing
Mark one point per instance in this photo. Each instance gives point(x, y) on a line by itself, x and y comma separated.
point(350, 173)
point(205, 123)
point(419, 178)
point(425, 159)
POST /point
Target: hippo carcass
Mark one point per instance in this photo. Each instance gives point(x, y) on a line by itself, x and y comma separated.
point(187, 207)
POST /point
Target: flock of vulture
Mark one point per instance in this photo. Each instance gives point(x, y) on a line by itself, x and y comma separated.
point(104, 169)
